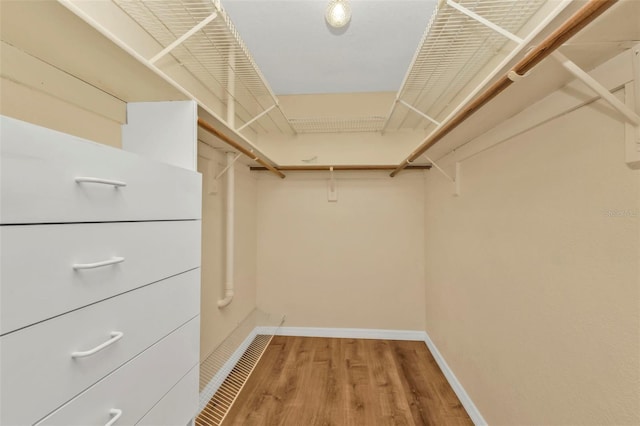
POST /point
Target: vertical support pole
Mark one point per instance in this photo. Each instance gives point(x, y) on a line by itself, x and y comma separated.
point(230, 237)
point(231, 201)
point(231, 89)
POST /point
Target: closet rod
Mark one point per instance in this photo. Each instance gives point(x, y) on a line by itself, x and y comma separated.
point(209, 128)
point(345, 167)
point(568, 29)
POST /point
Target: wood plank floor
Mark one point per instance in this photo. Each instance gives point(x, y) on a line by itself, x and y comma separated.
point(305, 381)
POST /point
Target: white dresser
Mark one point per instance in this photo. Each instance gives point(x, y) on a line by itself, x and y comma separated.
point(100, 283)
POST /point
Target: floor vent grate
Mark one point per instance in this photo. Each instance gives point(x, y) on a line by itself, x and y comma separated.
point(225, 371)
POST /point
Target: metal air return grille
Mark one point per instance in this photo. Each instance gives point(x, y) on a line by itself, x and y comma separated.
point(227, 368)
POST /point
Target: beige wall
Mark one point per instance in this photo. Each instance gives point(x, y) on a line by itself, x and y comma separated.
point(532, 280)
point(216, 324)
point(339, 148)
point(355, 263)
point(34, 91)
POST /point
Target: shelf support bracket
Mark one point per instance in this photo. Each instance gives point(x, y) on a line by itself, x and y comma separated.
point(455, 180)
point(417, 111)
point(484, 21)
point(257, 117)
point(183, 37)
point(226, 169)
point(629, 114)
point(568, 64)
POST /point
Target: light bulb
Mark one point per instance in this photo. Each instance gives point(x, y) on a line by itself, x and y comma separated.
point(338, 13)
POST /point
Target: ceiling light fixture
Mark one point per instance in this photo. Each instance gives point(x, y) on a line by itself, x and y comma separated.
point(338, 13)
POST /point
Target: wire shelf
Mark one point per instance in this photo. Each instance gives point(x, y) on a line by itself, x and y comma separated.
point(337, 124)
point(215, 55)
point(453, 51)
point(194, 45)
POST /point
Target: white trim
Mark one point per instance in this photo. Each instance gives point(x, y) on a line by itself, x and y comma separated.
point(344, 333)
point(464, 398)
point(217, 380)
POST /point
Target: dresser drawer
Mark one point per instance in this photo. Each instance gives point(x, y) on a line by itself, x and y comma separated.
point(178, 406)
point(40, 167)
point(133, 389)
point(39, 372)
point(37, 264)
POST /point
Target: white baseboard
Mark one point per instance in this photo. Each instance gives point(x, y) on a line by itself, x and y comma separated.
point(216, 381)
point(345, 333)
point(464, 398)
point(354, 333)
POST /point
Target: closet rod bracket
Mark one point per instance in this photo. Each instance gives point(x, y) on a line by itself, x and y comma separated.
point(514, 76)
point(455, 180)
point(332, 188)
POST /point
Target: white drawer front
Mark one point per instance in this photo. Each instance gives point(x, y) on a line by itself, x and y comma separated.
point(37, 264)
point(134, 388)
point(38, 371)
point(39, 168)
point(178, 406)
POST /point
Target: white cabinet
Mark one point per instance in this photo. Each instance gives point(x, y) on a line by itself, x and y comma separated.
point(134, 389)
point(176, 404)
point(41, 267)
point(100, 282)
point(164, 131)
point(52, 177)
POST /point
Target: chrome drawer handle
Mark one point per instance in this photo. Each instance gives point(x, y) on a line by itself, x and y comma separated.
point(98, 264)
point(115, 336)
point(116, 183)
point(116, 415)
